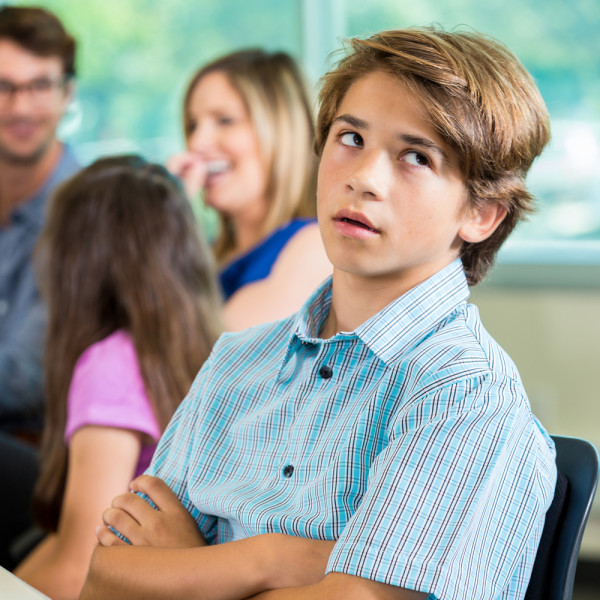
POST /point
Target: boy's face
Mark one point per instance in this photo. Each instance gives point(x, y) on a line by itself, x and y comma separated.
point(391, 198)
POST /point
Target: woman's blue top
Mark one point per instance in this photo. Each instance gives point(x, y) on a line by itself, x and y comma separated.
point(257, 263)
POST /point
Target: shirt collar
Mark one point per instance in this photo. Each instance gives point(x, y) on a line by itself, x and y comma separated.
point(401, 325)
point(408, 320)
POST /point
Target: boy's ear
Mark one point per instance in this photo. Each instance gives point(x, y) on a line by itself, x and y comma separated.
point(481, 222)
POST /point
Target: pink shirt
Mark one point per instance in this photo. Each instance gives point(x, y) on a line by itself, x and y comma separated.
point(107, 389)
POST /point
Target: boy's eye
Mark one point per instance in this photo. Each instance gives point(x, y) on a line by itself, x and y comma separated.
point(224, 120)
point(352, 139)
point(417, 159)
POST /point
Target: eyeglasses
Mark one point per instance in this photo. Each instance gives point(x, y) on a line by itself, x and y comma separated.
point(39, 90)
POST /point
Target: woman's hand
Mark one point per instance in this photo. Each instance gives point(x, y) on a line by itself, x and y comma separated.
point(192, 169)
point(169, 525)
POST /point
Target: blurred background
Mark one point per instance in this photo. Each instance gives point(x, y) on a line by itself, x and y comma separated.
point(542, 300)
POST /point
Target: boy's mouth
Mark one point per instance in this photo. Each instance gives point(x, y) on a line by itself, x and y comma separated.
point(355, 219)
point(357, 224)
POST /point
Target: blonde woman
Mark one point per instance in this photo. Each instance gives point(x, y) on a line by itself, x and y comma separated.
point(249, 133)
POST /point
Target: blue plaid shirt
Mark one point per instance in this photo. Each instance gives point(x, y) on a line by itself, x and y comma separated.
point(410, 441)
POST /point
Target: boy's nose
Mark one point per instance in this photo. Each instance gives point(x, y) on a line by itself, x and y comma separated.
point(371, 175)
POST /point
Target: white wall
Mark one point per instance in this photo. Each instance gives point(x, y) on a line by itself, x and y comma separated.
point(552, 334)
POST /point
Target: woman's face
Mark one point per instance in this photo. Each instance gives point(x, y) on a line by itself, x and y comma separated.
point(220, 132)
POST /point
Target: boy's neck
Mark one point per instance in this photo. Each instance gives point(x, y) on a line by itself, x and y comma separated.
point(355, 299)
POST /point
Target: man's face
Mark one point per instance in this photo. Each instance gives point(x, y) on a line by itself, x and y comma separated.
point(391, 197)
point(29, 117)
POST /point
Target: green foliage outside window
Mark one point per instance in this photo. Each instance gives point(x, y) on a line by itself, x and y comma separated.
point(136, 56)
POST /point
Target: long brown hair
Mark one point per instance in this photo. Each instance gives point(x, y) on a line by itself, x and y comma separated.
point(120, 250)
point(273, 90)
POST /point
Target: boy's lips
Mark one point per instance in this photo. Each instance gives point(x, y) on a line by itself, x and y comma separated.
point(355, 219)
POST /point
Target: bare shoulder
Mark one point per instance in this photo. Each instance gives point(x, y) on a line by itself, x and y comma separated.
point(305, 249)
point(309, 234)
point(300, 267)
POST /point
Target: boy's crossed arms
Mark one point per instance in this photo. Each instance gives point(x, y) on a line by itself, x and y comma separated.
point(233, 570)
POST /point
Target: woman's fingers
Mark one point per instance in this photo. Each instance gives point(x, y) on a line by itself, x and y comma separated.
point(191, 169)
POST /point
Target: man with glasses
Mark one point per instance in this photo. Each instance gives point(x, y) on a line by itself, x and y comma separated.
point(36, 84)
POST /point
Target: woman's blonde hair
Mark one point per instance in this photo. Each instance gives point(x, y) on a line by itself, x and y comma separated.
point(275, 96)
point(480, 99)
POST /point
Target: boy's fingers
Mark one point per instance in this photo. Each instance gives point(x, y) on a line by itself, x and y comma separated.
point(122, 522)
point(133, 505)
point(107, 538)
point(158, 491)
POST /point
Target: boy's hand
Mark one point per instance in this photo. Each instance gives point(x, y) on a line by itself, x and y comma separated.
point(169, 525)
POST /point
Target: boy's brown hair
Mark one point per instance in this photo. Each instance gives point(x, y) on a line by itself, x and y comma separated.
point(478, 97)
point(40, 32)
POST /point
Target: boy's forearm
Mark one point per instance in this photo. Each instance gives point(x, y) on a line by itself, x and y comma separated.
point(213, 572)
point(231, 570)
point(339, 586)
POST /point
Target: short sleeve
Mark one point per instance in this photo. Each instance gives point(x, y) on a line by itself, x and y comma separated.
point(107, 389)
point(455, 503)
point(174, 459)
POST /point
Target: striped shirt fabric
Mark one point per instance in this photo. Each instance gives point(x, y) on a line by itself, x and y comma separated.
point(410, 441)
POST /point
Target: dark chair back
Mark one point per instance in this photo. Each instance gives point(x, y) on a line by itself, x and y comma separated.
point(556, 560)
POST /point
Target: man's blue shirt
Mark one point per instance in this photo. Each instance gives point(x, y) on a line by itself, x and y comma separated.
point(22, 315)
point(410, 441)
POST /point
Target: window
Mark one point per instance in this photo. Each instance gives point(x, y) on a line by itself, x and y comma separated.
point(135, 59)
point(558, 43)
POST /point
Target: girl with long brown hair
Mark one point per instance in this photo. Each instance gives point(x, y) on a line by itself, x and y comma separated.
point(133, 313)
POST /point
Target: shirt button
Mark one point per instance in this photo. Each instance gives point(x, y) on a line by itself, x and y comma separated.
point(288, 470)
point(325, 372)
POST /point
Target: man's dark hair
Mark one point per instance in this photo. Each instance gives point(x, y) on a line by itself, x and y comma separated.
point(40, 32)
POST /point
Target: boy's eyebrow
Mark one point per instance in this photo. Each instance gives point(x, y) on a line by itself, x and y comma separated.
point(352, 121)
point(413, 140)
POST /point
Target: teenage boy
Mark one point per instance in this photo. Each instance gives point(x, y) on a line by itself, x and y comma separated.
point(382, 417)
point(37, 68)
